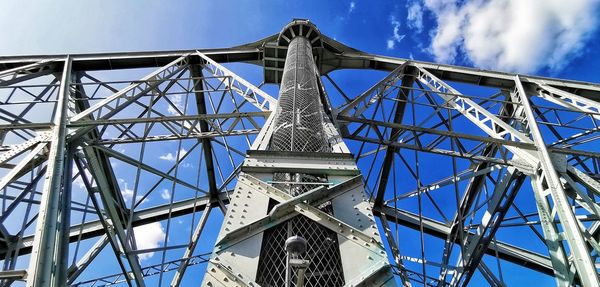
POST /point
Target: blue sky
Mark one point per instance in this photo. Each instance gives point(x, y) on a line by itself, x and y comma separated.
point(427, 30)
point(537, 37)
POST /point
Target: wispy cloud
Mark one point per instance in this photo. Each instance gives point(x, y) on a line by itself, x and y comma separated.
point(512, 35)
point(177, 101)
point(351, 7)
point(396, 37)
point(171, 156)
point(168, 157)
point(165, 194)
point(414, 19)
point(127, 193)
point(79, 179)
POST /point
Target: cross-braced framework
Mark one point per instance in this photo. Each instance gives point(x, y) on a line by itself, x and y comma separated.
point(473, 176)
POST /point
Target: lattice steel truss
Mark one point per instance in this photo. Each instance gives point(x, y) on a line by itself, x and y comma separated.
point(466, 171)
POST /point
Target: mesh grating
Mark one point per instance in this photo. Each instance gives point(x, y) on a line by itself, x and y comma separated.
point(299, 121)
point(325, 267)
point(297, 183)
point(299, 127)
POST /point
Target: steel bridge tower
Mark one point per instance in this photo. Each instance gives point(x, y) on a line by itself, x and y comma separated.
point(299, 179)
point(118, 169)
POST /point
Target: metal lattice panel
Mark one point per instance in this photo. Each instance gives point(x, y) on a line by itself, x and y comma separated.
point(299, 121)
point(325, 267)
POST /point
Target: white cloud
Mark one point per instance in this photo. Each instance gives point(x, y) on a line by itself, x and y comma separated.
point(415, 17)
point(171, 157)
point(351, 7)
point(167, 157)
point(390, 44)
point(396, 37)
point(165, 194)
point(148, 236)
point(128, 193)
point(78, 181)
point(178, 102)
point(512, 35)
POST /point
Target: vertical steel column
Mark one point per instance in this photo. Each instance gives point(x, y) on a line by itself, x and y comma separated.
point(65, 217)
point(402, 97)
point(46, 261)
point(548, 183)
point(196, 73)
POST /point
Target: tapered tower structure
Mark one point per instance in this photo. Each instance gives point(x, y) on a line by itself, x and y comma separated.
point(299, 179)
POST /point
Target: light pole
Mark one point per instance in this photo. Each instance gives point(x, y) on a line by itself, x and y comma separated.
point(295, 246)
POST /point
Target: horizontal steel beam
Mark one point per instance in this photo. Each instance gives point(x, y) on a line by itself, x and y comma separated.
point(331, 61)
point(132, 60)
point(103, 122)
point(194, 135)
point(13, 274)
point(147, 271)
point(200, 117)
point(154, 214)
point(502, 80)
point(451, 134)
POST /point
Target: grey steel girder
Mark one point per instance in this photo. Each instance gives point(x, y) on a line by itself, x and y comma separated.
point(47, 260)
point(547, 184)
point(338, 58)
